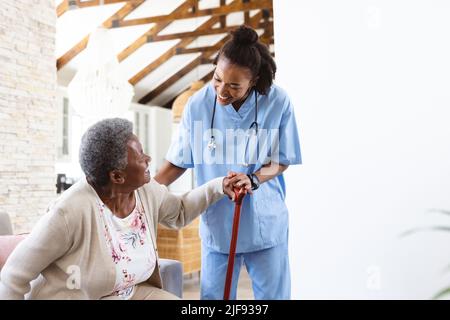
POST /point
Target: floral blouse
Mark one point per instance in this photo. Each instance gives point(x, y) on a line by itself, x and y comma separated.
point(131, 247)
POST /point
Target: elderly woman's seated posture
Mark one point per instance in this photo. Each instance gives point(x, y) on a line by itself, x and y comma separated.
point(98, 240)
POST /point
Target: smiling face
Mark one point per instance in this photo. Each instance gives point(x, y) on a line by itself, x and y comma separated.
point(231, 82)
point(137, 172)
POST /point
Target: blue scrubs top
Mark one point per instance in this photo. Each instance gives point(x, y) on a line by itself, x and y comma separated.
point(264, 216)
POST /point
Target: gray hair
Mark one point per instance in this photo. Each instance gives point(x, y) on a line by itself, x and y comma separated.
point(104, 148)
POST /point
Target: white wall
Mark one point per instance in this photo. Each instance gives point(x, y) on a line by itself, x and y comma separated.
point(371, 85)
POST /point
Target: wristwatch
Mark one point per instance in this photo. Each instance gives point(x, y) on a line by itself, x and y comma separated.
point(254, 180)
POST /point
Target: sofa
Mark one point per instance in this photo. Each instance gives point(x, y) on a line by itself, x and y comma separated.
point(171, 270)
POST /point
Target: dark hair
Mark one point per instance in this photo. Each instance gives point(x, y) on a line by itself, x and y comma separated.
point(104, 148)
point(245, 50)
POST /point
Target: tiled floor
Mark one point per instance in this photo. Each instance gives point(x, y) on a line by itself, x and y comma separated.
point(191, 289)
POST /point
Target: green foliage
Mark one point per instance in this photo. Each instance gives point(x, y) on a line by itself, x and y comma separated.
point(446, 291)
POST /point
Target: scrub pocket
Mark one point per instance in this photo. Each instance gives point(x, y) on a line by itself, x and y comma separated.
point(272, 215)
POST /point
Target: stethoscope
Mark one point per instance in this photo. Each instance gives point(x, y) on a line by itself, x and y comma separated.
point(253, 126)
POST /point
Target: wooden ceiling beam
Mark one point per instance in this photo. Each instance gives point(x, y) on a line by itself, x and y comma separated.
point(169, 82)
point(223, 18)
point(219, 11)
point(195, 6)
point(182, 44)
point(152, 32)
point(207, 61)
point(168, 104)
point(155, 64)
point(80, 46)
point(196, 33)
point(170, 53)
point(64, 6)
point(267, 36)
point(197, 49)
point(178, 75)
point(205, 79)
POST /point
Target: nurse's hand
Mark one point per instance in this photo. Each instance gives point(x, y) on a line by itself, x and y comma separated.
point(236, 180)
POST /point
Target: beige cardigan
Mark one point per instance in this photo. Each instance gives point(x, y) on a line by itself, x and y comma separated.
point(66, 256)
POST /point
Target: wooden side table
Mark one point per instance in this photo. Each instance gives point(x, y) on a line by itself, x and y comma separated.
point(183, 245)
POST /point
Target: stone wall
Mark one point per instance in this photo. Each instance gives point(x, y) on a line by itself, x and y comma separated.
point(27, 109)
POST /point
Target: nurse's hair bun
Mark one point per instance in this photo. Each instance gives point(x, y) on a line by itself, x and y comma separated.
point(245, 35)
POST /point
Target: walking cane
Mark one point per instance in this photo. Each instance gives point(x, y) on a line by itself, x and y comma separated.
point(239, 194)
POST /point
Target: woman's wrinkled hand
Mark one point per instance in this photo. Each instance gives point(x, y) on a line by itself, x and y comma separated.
point(236, 180)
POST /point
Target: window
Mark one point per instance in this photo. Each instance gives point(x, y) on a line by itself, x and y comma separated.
point(63, 129)
point(141, 128)
point(146, 134)
point(137, 129)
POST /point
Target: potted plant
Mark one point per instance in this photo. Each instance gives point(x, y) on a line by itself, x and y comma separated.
point(441, 228)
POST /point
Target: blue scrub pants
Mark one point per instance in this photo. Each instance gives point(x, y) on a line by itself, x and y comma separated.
point(268, 270)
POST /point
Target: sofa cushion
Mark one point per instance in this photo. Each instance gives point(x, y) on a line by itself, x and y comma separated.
point(5, 224)
point(172, 276)
point(7, 245)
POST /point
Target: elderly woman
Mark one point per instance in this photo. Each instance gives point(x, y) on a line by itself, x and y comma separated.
point(98, 240)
